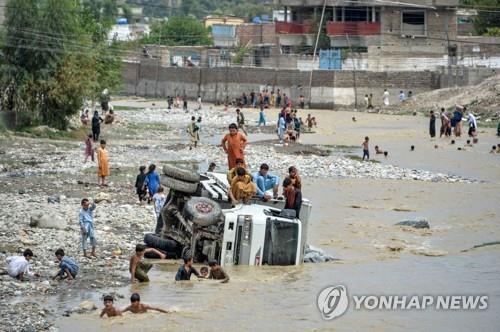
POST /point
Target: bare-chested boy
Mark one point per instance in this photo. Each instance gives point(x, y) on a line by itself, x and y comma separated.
point(109, 309)
point(138, 269)
point(136, 307)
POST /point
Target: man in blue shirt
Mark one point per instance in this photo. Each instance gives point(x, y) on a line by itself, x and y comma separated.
point(68, 267)
point(265, 181)
point(87, 226)
point(185, 271)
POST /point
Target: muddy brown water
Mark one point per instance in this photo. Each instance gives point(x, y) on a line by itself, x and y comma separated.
point(353, 220)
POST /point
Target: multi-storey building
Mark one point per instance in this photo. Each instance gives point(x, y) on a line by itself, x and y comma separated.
point(382, 33)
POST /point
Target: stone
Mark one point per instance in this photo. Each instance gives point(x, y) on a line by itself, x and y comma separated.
point(53, 199)
point(87, 306)
point(415, 223)
point(101, 197)
point(48, 220)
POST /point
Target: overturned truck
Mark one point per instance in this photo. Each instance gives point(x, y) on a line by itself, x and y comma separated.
point(198, 220)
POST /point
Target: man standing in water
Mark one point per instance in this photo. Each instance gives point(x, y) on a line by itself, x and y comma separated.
point(234, 145)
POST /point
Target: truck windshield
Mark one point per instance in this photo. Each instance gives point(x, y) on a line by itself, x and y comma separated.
point(280, 244)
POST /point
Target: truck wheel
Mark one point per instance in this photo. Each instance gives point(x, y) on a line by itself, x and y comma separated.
point(202, 211)
point(154, 241)
point(181, 174)
point(186, 252)
point(179, 185)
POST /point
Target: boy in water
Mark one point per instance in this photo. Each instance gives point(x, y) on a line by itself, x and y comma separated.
point(217, 273)
point(136, 307)
point(109, 309)
point(137, 268)
point(366, 151)
point(185, 271)
point(204, 272)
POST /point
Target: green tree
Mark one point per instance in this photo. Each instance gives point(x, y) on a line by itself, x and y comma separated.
point(488, 15)
point(53, 59)
point(179, 31)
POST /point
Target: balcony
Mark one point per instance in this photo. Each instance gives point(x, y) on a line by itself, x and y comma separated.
point(352, 28)
point(289, 28)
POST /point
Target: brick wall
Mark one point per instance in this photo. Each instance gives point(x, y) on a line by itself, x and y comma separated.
point(256, 34)
point(214, 84)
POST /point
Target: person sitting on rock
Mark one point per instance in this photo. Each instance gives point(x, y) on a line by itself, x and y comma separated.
point(232, 172)
point(266, 181)
point(18, 266)
point(84, 117)
point(110, 117)
point(109, 309)
point(68, 269)
point(242, 187)
point(136, 307)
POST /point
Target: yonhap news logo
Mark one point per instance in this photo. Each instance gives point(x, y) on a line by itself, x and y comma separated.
point(333, 301)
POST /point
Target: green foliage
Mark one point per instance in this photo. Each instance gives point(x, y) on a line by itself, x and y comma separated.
point(241, 51)
point(485, 18)
point(202, 8)
point(492, 32)
point(55, 54)
point(179, 31)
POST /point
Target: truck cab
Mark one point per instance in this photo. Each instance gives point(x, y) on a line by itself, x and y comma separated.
point(257, 233)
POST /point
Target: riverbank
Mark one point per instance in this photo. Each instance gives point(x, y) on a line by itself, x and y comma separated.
point(355, 205)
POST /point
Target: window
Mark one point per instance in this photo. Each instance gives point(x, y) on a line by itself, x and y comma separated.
point(413, 23)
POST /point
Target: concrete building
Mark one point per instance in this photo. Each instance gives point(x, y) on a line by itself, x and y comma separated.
point(404, 35)
point(223, 29)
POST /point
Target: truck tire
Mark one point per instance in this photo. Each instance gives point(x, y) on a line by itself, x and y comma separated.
point(202, 211)
point(167, 245)
point(181, 174)
point(179, 185)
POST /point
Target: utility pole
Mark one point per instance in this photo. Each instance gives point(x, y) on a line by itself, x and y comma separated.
point(353, 73)
point(315, 49)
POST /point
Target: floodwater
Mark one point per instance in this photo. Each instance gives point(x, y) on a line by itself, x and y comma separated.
point(353, 220)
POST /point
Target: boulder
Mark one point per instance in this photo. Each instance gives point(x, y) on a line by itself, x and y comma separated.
point(47, 220)
point(101, 197)
point(415, 223)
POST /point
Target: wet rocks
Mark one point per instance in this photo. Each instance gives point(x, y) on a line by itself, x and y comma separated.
point(47, 220)
point(415, 223)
